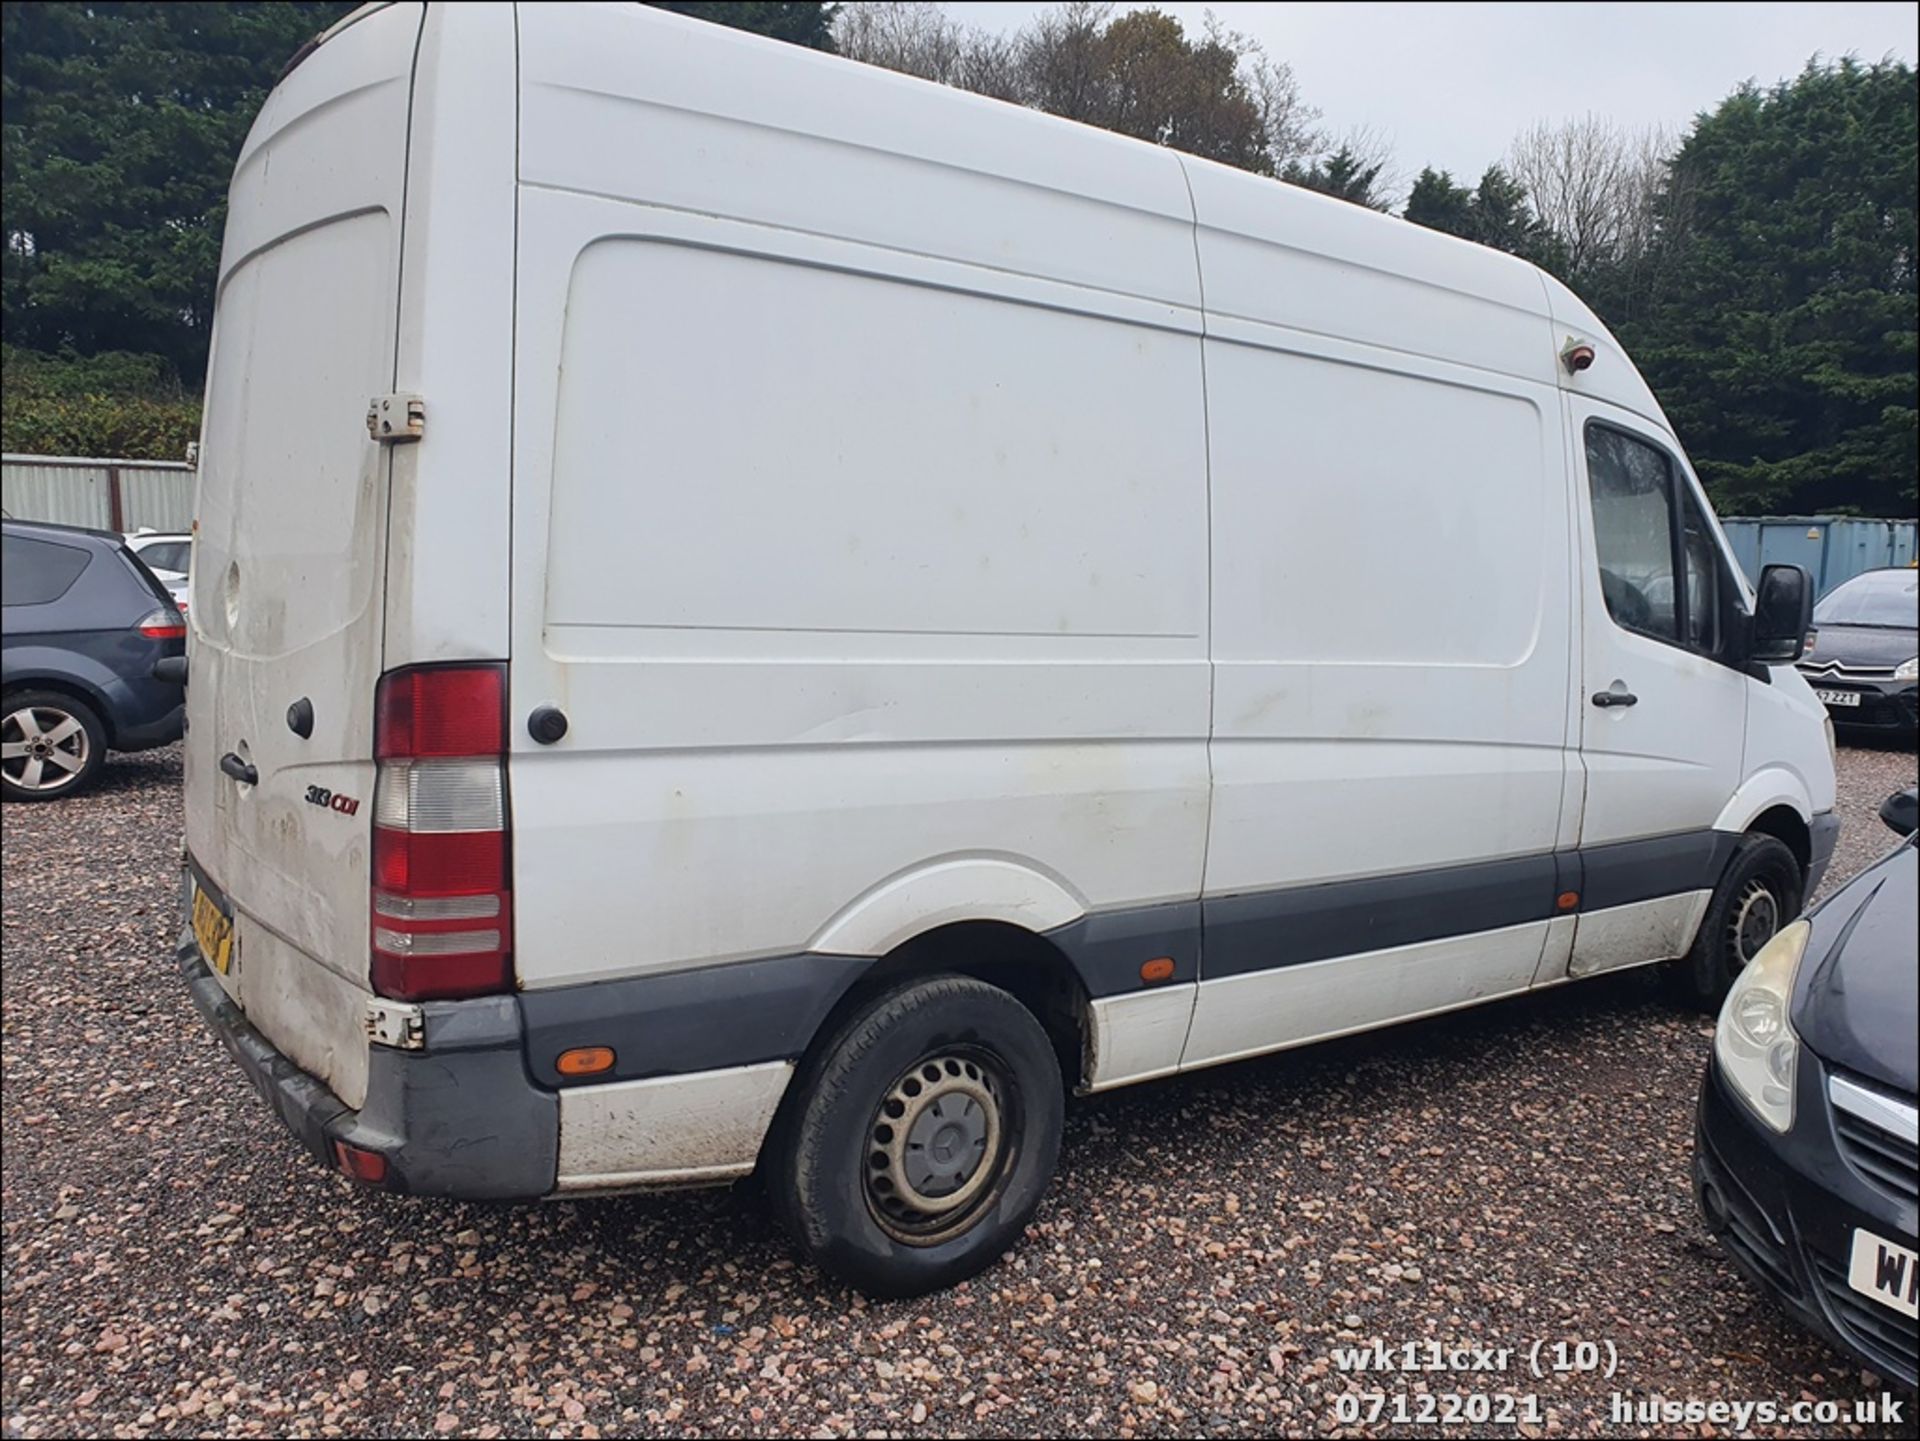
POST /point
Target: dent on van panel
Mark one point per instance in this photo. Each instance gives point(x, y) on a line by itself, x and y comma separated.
point(298, 545)
point(1138, 1037)
point(671, 1130)
point(1631, 935)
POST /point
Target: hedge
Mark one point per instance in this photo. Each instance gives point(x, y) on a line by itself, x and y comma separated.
point(114, 404)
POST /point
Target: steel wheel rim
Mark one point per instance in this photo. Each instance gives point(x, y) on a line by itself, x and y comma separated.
point(938, 1146)
point(1755, 921)
point(43, 748)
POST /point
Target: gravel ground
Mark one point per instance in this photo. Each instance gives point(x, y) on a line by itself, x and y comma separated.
point(1519, 1173)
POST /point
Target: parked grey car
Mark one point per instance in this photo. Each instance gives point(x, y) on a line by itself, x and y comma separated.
point(1864, 658)
point(83, 624)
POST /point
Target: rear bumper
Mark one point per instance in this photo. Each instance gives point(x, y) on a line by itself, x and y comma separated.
point(457, 1118)
point(146, 735)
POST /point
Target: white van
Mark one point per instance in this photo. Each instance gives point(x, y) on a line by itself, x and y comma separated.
point(753, 611)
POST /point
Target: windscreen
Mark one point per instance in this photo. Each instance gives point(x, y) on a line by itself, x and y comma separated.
point(1884, 598)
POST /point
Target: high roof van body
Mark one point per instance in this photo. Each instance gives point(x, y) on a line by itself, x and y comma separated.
point(749, 610)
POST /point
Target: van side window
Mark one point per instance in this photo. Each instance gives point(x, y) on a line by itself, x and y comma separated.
point(38, 571)
point(1632, 488)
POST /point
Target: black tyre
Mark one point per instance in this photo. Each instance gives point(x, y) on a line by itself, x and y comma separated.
point(1759, 893)
point(51, 746)
point(920, 1137)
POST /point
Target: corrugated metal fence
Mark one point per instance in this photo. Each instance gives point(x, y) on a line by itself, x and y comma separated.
point(105, 494)
point(1835, 548)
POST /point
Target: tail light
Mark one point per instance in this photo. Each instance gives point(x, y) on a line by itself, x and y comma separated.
point(162, 625)
point(441, 913)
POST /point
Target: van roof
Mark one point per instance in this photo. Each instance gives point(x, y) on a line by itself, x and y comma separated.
point(677, 62)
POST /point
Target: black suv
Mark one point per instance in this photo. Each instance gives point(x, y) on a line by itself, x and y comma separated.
point(82, 625)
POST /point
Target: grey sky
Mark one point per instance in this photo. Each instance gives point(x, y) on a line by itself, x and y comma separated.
point(1451, 84)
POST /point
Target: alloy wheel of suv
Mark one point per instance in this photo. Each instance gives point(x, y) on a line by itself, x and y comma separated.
point(49, 746)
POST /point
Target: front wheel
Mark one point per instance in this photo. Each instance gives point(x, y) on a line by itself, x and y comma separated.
point(1759, 893)
point(924, 1138)
point(50, 746)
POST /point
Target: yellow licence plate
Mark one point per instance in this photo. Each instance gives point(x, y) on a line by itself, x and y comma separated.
point(213, 929)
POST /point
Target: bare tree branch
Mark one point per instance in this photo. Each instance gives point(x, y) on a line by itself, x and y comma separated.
point(1594, 184)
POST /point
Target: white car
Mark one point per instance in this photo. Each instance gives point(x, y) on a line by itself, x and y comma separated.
point(166, 554)
point(791, 616)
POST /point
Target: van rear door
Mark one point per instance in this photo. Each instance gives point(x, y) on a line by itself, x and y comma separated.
point(289, 564)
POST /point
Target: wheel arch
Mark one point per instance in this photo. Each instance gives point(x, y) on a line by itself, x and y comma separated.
point(73, 688)
point(1029, 966)
point(1784, 824)
point(955, 889)
point(1773, 802)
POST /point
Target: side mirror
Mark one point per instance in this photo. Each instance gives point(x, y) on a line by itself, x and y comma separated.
point(1782, 614)
point(1901, 811)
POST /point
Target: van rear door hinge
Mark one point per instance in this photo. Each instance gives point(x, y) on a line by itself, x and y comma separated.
point(394, 418)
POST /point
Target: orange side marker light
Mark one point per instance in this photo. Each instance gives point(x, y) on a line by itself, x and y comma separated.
point(1567, 900)
point(1160, 968)
point(584, 1061)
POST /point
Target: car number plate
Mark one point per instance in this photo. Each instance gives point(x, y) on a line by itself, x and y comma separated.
point(213, 928)
point(1839, 697)
point(1888, 1273)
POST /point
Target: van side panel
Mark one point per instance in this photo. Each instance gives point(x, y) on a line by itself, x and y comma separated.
point(1391, 616)
point(860, 510)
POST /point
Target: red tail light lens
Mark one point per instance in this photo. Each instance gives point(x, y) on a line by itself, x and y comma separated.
point(163, 625)
point(441, 907)
point(441, 711)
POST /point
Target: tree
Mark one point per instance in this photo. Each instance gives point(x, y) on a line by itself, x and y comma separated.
point(121, 126)
point(1784, 340)
point(1439, 204)
point(1593, 185)
point(1216, 95)
point(1291, 127)
point(1345, 175)
point(1165, 87)
point(913, 38)
point(810, 25)
point(1500, 215)
point(1496, 212)
point(1062, 63)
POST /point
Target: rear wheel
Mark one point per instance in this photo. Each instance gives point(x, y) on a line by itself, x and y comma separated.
point(924, 1137)
point(50, 746)
point(1760, 893)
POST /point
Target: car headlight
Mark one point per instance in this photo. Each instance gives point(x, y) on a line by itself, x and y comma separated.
point(1754, 1041)
point(1908, 669)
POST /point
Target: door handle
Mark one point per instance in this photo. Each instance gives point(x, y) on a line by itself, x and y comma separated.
point(232, 764)
point(1606, 698)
